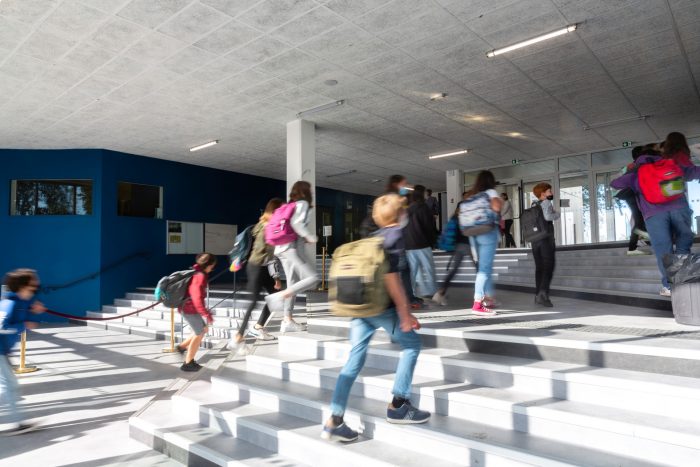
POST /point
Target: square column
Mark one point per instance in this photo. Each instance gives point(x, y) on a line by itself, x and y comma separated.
point(455, 188)
point(301, 165)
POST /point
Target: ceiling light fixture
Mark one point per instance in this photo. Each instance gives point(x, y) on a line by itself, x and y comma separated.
point(615, 122)
point(205, 145)
point(534, 40)
point(438, 96)
point(515, 134)
point(448, 154)
point(320, 108)
point(347, 172)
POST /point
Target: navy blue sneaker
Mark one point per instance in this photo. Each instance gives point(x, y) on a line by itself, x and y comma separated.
point(340, 433)
point(406, 415)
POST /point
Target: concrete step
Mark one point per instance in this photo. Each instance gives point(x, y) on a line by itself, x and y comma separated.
point(445, 437)
point(662, 395)
point(586, 283)
point(612, 272)
point(186, 441)
point(291, 435)
point(624, 433)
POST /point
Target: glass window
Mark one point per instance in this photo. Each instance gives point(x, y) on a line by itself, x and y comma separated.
point(573, 163)
point(51, 197)
point(137, 200)
point(615, 157)
point(575, 201)
point(613, 215)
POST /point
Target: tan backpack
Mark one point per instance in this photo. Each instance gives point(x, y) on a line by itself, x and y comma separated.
point(356, 279)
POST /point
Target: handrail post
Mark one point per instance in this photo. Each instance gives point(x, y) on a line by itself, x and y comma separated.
point(172, 333)
point(22, 368)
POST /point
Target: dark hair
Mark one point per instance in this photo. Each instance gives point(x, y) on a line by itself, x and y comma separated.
point(675, 143)
point(392, 185)
point(429, 191)
point(301, 191)
point(484, 181)
point(20, 278)
point(504, 194)
point(636, 152)
point(204, 260)
point(648, 150)
point(418, 194)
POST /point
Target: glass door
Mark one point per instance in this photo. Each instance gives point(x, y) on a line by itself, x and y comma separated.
point(512, 188)
point(613, 215)
point(575, 203)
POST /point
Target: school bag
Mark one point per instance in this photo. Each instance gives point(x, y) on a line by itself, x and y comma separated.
point(533, 224)
point(661, 181)
point(448, 238)
point(356, 279)
point(278, 230)
point(172, 289)
point(476, 216)
point(240, 252)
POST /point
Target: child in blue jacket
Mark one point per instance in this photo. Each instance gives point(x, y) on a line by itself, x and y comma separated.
point(17, 310)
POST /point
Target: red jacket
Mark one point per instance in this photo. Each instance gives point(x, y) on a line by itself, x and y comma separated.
point(196, 293)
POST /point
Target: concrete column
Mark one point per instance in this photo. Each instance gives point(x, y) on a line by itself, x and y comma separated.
point(455, 188)
point(301, 165)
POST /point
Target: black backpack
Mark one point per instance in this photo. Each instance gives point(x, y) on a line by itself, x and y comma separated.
point(533, 224)
point(172, 289)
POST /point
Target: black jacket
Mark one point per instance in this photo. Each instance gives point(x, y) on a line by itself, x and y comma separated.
point(420, 232)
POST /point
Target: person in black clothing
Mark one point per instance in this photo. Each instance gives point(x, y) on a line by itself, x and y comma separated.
point(628, 196)
point(462, 249)
point(420, 234)
point(544, 250)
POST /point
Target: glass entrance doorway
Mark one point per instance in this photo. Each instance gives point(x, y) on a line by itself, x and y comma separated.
point(521, 197)
point(575, 202)
point(613, 215)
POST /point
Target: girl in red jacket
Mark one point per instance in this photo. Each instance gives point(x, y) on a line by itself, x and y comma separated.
point(195, 312)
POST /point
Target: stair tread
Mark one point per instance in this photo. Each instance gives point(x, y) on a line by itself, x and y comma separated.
point(448, 429)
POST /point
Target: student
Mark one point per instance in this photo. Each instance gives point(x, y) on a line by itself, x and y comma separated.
point(630, 197)
point(432, 203)
point(507, 216)
point(263, 273)
point(420, 235)
point(676, 147)
point(485, 245)
point(195, 312)
point(462, 249)
point(544, 250)
point(664, 221)
point(397, 321)
point(299, 270)
point(18, 307)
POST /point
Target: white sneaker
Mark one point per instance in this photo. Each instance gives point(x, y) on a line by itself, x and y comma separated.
point(642, 233)
point(261, 334)
point(275, 302)
point(439, 299)
point(637, 253)
point(665, 292)
point(291, 326)
point(239, 349)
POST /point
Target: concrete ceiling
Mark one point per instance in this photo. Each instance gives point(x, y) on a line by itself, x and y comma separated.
point(155, 77)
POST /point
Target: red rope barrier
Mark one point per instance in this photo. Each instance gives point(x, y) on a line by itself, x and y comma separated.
point(87, 318)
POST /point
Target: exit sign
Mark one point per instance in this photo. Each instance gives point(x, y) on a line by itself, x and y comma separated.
point(515, 161)
point(627, 144)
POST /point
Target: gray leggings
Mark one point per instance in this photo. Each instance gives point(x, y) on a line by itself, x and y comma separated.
point(300, 273)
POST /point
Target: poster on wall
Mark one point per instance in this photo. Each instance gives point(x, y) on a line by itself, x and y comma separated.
point(219, 238)
point(184, 238)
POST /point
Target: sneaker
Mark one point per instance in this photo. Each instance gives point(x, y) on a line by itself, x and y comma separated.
point(416, 306)
point(439, 299)
point(239, 349)
point(637, 253)
point(191, 366)
point(275, 302)
point(490, 302)
point(543, 299)
point(291, 326)
point(665, 292)
point(261, 333)
point(642, 233)
point(406, 415)
point(21, 428)
point(480, 309)
point(341, 432)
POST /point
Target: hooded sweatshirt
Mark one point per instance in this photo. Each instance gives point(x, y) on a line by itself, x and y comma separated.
point(631, 180)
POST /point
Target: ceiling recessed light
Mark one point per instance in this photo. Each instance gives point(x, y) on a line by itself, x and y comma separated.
point(205, 145)
point(330, 82)
point(515, 134)
point(438, 96)
point(534, 40)
point(448, 154)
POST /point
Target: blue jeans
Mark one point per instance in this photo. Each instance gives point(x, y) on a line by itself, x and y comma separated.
point(9, 393)
point(422, 261)
point(485, 245)
point(662, 228)
point(361, 331)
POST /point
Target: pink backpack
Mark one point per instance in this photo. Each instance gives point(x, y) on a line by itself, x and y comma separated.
point(279, 230)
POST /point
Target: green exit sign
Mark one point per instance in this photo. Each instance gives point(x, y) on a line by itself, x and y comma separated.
point(627, 144)
point(515, 161)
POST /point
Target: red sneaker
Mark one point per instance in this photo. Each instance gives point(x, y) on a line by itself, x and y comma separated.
point(480, 309)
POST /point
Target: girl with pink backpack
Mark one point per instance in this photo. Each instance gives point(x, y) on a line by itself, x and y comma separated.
point(288, 232)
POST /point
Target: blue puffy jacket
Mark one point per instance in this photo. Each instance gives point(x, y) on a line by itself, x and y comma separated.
point(16, 313)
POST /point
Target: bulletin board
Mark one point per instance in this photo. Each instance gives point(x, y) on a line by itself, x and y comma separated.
point(219, 238)
point(184, 238)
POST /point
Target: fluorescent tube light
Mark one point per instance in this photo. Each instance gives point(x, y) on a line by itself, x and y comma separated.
point(534, 40)
point(615, 122)
point(448, 154)
point(320, 108)
point(205, 145)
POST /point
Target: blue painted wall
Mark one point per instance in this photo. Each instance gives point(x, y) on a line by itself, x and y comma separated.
point(64, 248)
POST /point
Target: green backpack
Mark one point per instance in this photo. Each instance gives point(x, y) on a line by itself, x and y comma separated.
point(356, 279)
